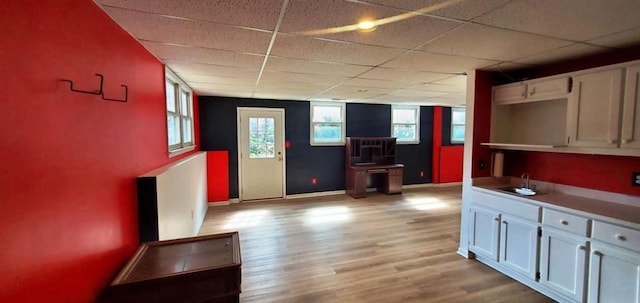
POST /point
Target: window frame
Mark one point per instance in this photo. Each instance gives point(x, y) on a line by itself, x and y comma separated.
point(416, 110)
point(312, 124)
point(180, 89)
point(457, 109)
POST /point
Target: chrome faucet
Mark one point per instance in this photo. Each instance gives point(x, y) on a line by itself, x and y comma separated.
point(524, 180)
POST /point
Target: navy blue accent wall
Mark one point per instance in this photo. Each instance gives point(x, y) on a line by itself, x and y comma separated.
point(418, 157)
point(368, 120)
point(218, 131)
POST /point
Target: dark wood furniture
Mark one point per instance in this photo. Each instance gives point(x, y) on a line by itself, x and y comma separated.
point(197, 269)
point(372, 162)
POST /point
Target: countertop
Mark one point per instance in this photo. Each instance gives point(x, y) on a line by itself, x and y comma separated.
point(582, 202)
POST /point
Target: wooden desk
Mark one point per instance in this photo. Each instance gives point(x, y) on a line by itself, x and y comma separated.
point(197, 269)
point(357, 176)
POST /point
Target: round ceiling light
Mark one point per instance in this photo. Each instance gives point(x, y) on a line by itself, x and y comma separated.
point(366, 26)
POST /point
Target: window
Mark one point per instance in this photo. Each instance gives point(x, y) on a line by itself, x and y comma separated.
point(405, 124)
point(262, 138)
point(327, 123)
point(457, 124)
point(179, 114)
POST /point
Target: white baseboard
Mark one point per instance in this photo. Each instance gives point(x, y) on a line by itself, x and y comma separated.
point(316, 194)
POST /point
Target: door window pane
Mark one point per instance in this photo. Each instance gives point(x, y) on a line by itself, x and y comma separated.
point(262, 143)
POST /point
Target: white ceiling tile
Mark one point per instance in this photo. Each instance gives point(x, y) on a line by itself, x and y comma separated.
point(569, 52)
point(289, 85)
point(622, 39)
point(415, 93)
point(313, 67)
point(506, 66)
point(471, 41)
point(430, 62)
point(303, 16)
point(577, 20)
point(440, 88)
point(300, 77)
point(376, 83)
point(331, 51)
point(222, 90)
point(212, 70)
point(353, 92)
point(408, 76)
point(187, 54)
point(208, 79)
point(464, 10)
point(458, 80)
point(249, 13)
point(157, 28)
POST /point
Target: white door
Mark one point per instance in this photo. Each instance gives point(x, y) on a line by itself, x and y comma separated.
point(483, 236)
point(563, 263)
point(261, 153)
point(519, 246)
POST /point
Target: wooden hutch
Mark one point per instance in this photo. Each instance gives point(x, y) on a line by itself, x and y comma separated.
point(372, 162)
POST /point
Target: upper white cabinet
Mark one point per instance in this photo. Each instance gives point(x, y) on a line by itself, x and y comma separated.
point(631, 109)
point(548, 89)
point(530, 91)
point(594, 109)
point(510, 93)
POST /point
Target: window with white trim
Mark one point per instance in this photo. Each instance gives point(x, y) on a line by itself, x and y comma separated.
point(327, 123)
point(458, 115)
point(405, 124)
point(179, 114)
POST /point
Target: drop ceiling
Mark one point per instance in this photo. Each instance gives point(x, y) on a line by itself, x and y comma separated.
point(262, 49)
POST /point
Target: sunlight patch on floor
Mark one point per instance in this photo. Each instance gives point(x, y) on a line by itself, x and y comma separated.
point(426, 203)
point(247, 218)
point(327, 214)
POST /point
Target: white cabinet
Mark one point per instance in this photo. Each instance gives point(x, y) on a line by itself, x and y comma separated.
point(631, 109)
point(614, 274)
point(594, 109)
point(509, 93)
point(563, 265)
point(484, 232)
point(548, 89)
point(519, 245)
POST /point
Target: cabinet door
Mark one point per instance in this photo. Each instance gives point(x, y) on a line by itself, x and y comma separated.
point(548, 89)
point(614, 274)
point(519, 246)
point(631, 109)
point(594, 108)
point(511, 93)
point(563, 263)
point(484, 232)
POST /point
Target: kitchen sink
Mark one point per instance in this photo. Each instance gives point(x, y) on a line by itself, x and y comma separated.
point(519, 191)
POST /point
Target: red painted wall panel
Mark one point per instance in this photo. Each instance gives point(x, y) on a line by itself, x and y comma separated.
point(218, 176)
point(608, 173)
point(451, 159)
point(481, 124)
point(69, 218)
point(437, 143)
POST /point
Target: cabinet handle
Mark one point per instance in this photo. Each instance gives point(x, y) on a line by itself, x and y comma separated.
point(496, 219)
point(564, 222)
point(597, 253)
point(533, 91)
point(621, 237)
point(505, 222)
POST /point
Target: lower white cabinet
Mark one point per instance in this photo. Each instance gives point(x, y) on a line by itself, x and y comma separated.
point(484, 232)
point(563, 263)
point(519, 245)
point(508, 240)
point(614, 274)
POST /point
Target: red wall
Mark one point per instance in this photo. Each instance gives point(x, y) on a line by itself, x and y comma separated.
point(447, 160)
point(481, 124)
point(218, 176)
point(69, 217)
point(608, 173)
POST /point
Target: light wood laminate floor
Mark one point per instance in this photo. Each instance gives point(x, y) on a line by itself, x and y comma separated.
point(396, 248)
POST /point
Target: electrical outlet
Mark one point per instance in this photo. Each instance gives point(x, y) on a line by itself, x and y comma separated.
point(481, 164)
point(314, 181)
point(635, 178)
point(421, 174)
